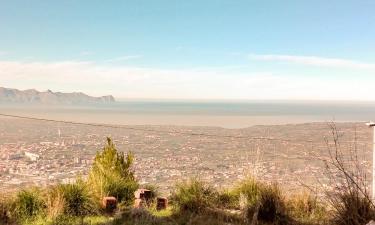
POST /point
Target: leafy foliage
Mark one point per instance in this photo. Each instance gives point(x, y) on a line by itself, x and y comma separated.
point(120, 188)
point(111, 174)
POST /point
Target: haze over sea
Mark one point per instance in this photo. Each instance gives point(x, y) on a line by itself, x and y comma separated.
point(225, 114)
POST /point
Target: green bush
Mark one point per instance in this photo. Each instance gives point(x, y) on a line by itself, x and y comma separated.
point(28, 204)
point(122, 189)
point(263, 201)
point(352, 208)
point(227, 199)
point(111, 174)
point(194, 195)
point(248, 192)
point(77, 199)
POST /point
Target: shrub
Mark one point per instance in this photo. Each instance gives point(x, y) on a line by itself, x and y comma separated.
point(77, 199)
point(351, 208)
point(271, 204)
point(112, 175)
point(193, 195)
point(248, 192)
point(306, 208)
point(347, 175)
point(262, 202)
point(122, 189)
point(55, 202)
point(28, 204)
point(227, 199)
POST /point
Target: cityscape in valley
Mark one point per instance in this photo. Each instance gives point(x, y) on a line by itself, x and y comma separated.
point(214, 112)
point(37, 153)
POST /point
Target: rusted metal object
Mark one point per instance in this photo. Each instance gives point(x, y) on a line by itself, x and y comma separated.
point(161, 203)
point(109, 204)
point(143, 193)
point(146, 195)
point(143, 198)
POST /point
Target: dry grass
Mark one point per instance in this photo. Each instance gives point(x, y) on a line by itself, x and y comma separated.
point(307, 209)
point(351, 208)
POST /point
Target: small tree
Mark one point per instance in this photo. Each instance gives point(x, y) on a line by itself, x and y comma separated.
point(112, 175)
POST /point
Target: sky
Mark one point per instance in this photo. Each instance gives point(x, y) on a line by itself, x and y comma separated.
point(175, 49)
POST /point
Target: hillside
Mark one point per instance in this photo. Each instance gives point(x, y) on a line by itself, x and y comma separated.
point(112, 195)
point(8, 95)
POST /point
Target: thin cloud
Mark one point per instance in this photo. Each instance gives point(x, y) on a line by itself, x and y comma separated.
point(124, 58)
point(314, 61)
point(212, 83)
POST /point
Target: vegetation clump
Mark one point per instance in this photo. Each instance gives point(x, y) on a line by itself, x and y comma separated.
point(28, 205)
point(352, 208)
point(77, 199)
point(271, 204)
point(111, 174)
point(194, 195)
point(248, 192)
point(192, 201)
point(227, 199)
point(5, 210)
point(307, 208)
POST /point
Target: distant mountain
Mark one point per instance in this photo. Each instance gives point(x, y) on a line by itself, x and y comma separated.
point(8, 95)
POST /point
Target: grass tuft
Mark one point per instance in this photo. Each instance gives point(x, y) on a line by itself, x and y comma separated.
point(28, 205)
point(194, 196)
point(306, 208)
point(352, 208)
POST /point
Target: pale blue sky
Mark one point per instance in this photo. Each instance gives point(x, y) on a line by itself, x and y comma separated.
point(223, 49)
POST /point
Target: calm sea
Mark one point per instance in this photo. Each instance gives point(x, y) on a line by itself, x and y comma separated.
point(223, 114)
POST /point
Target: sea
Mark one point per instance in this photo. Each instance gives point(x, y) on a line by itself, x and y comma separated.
point(226, 114)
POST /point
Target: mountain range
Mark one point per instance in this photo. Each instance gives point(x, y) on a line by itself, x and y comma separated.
point(8, 95)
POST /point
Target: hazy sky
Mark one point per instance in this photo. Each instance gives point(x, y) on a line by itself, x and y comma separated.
point(196, 49)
